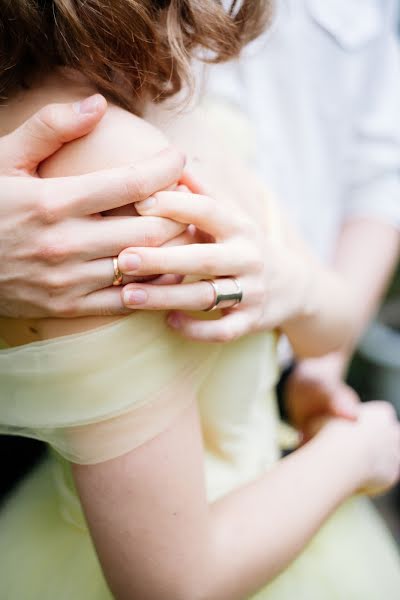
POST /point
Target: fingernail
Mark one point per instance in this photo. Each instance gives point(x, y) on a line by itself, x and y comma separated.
point(134, 297)
point(88, 106)
point(145, 204)
point(174, 320)
point(129, 263)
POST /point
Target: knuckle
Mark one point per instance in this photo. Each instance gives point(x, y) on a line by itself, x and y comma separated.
point(63, 307)
point(53, 252)
point(47, 124)
point(45, 118)
point(50, 123)
point(47, 211)
point(57, 283)
point(106, 311)
point(134, 186)
point(208, 262)
point(152, 234)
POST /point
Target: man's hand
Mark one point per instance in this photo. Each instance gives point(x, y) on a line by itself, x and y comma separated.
point(316, 390)
point(55, 252)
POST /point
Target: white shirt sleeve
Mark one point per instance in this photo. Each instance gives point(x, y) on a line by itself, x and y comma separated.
point(374, 151)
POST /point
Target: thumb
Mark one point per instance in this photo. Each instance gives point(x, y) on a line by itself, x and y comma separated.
point(46, 131)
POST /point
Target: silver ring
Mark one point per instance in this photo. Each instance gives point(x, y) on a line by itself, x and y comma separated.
point(223, 296)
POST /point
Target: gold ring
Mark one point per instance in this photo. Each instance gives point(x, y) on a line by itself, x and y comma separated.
point(223, 296)
point(117, 273)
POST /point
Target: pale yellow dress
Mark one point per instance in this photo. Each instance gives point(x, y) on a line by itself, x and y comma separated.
point(93, 396)
point(96, 395)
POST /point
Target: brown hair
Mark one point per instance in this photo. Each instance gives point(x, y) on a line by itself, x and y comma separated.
point(130, 50)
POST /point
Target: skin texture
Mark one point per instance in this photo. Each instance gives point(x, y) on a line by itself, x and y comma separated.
point(190, 541)
point(44, 271)
point(290, 289)
point(159, 488)
point(27, 288)
point(366, 255)
point(238, 250)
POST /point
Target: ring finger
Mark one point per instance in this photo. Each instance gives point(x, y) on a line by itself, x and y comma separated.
point(98, 274)
point(199, 295)
point(89, 276)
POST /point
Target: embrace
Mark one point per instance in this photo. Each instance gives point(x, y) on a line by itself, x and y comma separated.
point(153, 275)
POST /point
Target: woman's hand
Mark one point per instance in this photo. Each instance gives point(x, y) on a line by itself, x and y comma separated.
point(272, 278)
point(56, 255)
point(372, 441)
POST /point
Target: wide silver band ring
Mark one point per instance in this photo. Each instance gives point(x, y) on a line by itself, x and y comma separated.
point(117, 279)
point(224, 295)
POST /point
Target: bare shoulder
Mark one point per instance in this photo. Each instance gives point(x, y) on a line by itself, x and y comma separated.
point(217, 147)
point(121, 138)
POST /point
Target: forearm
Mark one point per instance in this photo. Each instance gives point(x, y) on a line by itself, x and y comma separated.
point(366, 255)
point(342, 300)
point(325, 319)
point(160, 517)
point(271, 520)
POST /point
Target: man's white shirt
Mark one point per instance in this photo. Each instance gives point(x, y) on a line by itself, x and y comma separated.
point(322, 91)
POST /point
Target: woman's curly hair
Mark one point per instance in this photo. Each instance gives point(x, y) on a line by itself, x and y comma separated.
point(130, 50)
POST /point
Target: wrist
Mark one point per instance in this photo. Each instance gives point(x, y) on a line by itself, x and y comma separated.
point(330, 367)
point(308, 279)
point(302, 282)
point(344, 453)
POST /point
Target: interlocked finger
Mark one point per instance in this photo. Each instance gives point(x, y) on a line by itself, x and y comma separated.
point(108, 236)
point(85, 278)
point(218, 260)
point(226, 329)
point(187, 296)
point(104, 190)
point(208, 215)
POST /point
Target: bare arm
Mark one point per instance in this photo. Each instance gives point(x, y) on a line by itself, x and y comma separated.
point(157, 537)
point(368, 245)
point(366, 254)
point(289, 288)
point(331, 307)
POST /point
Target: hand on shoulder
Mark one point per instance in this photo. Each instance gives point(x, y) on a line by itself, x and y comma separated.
point(60, 260)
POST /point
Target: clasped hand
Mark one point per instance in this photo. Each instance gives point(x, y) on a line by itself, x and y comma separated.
point(56, 252)
point(226, 243)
